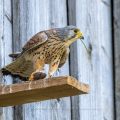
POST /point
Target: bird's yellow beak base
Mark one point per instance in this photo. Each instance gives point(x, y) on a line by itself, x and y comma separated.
point(80, 35)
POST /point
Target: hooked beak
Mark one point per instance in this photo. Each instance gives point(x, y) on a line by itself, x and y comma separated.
point(82, 38)
point(80, 35)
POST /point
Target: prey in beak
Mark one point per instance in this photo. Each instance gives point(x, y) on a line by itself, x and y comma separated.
point(80, 36)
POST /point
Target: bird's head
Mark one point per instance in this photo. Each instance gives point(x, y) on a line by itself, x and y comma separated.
point(73, 32)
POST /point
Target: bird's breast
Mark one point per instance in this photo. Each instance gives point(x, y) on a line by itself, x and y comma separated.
point(54, 50)
point(48, 51)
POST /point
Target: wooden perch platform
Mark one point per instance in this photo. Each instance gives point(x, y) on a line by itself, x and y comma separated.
point(44, 89)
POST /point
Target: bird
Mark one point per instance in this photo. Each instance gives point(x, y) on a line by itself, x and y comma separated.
point(46, 47)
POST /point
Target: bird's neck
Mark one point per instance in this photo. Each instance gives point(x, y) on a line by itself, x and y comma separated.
point(69, 41)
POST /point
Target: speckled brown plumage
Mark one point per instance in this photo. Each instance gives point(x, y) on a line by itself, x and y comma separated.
point(46, 47)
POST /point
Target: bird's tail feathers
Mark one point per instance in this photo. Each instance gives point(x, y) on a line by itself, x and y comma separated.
point(19, 68)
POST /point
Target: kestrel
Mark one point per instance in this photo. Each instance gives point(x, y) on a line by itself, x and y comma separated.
point(46, 47)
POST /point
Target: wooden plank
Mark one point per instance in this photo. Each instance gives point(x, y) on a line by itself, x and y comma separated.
point(1, 35)
point(30, 17)
point(116, 25)
point(75, 114)
point(40, 90)
point(1, 47)
point(27, 22)
point(58, 18)
point(18, 37)
point(36, 19)
point(8, 111)
point(6, 47)
point(94, 19)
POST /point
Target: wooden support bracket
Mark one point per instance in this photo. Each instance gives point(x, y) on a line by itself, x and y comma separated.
point(44, 89)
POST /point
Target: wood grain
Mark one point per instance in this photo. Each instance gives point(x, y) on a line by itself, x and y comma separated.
point(75, 111)
point(116, 25)
point(94, 20)
point(18, 35)
point(58, 18)
point(30, 17)
point(40, 90)
point(5, 49)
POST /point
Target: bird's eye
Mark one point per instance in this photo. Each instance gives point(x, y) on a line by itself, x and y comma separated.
point(76, 30)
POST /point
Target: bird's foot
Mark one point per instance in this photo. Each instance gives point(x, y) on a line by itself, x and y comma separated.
point(39, 75)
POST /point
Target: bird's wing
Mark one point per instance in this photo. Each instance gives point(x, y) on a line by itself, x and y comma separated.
point(64, 58)
point(39, 38)
point(36, 40)
point(42, 37)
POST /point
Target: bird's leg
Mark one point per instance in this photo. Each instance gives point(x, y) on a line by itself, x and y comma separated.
point(38, 66)
point(53, 67)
